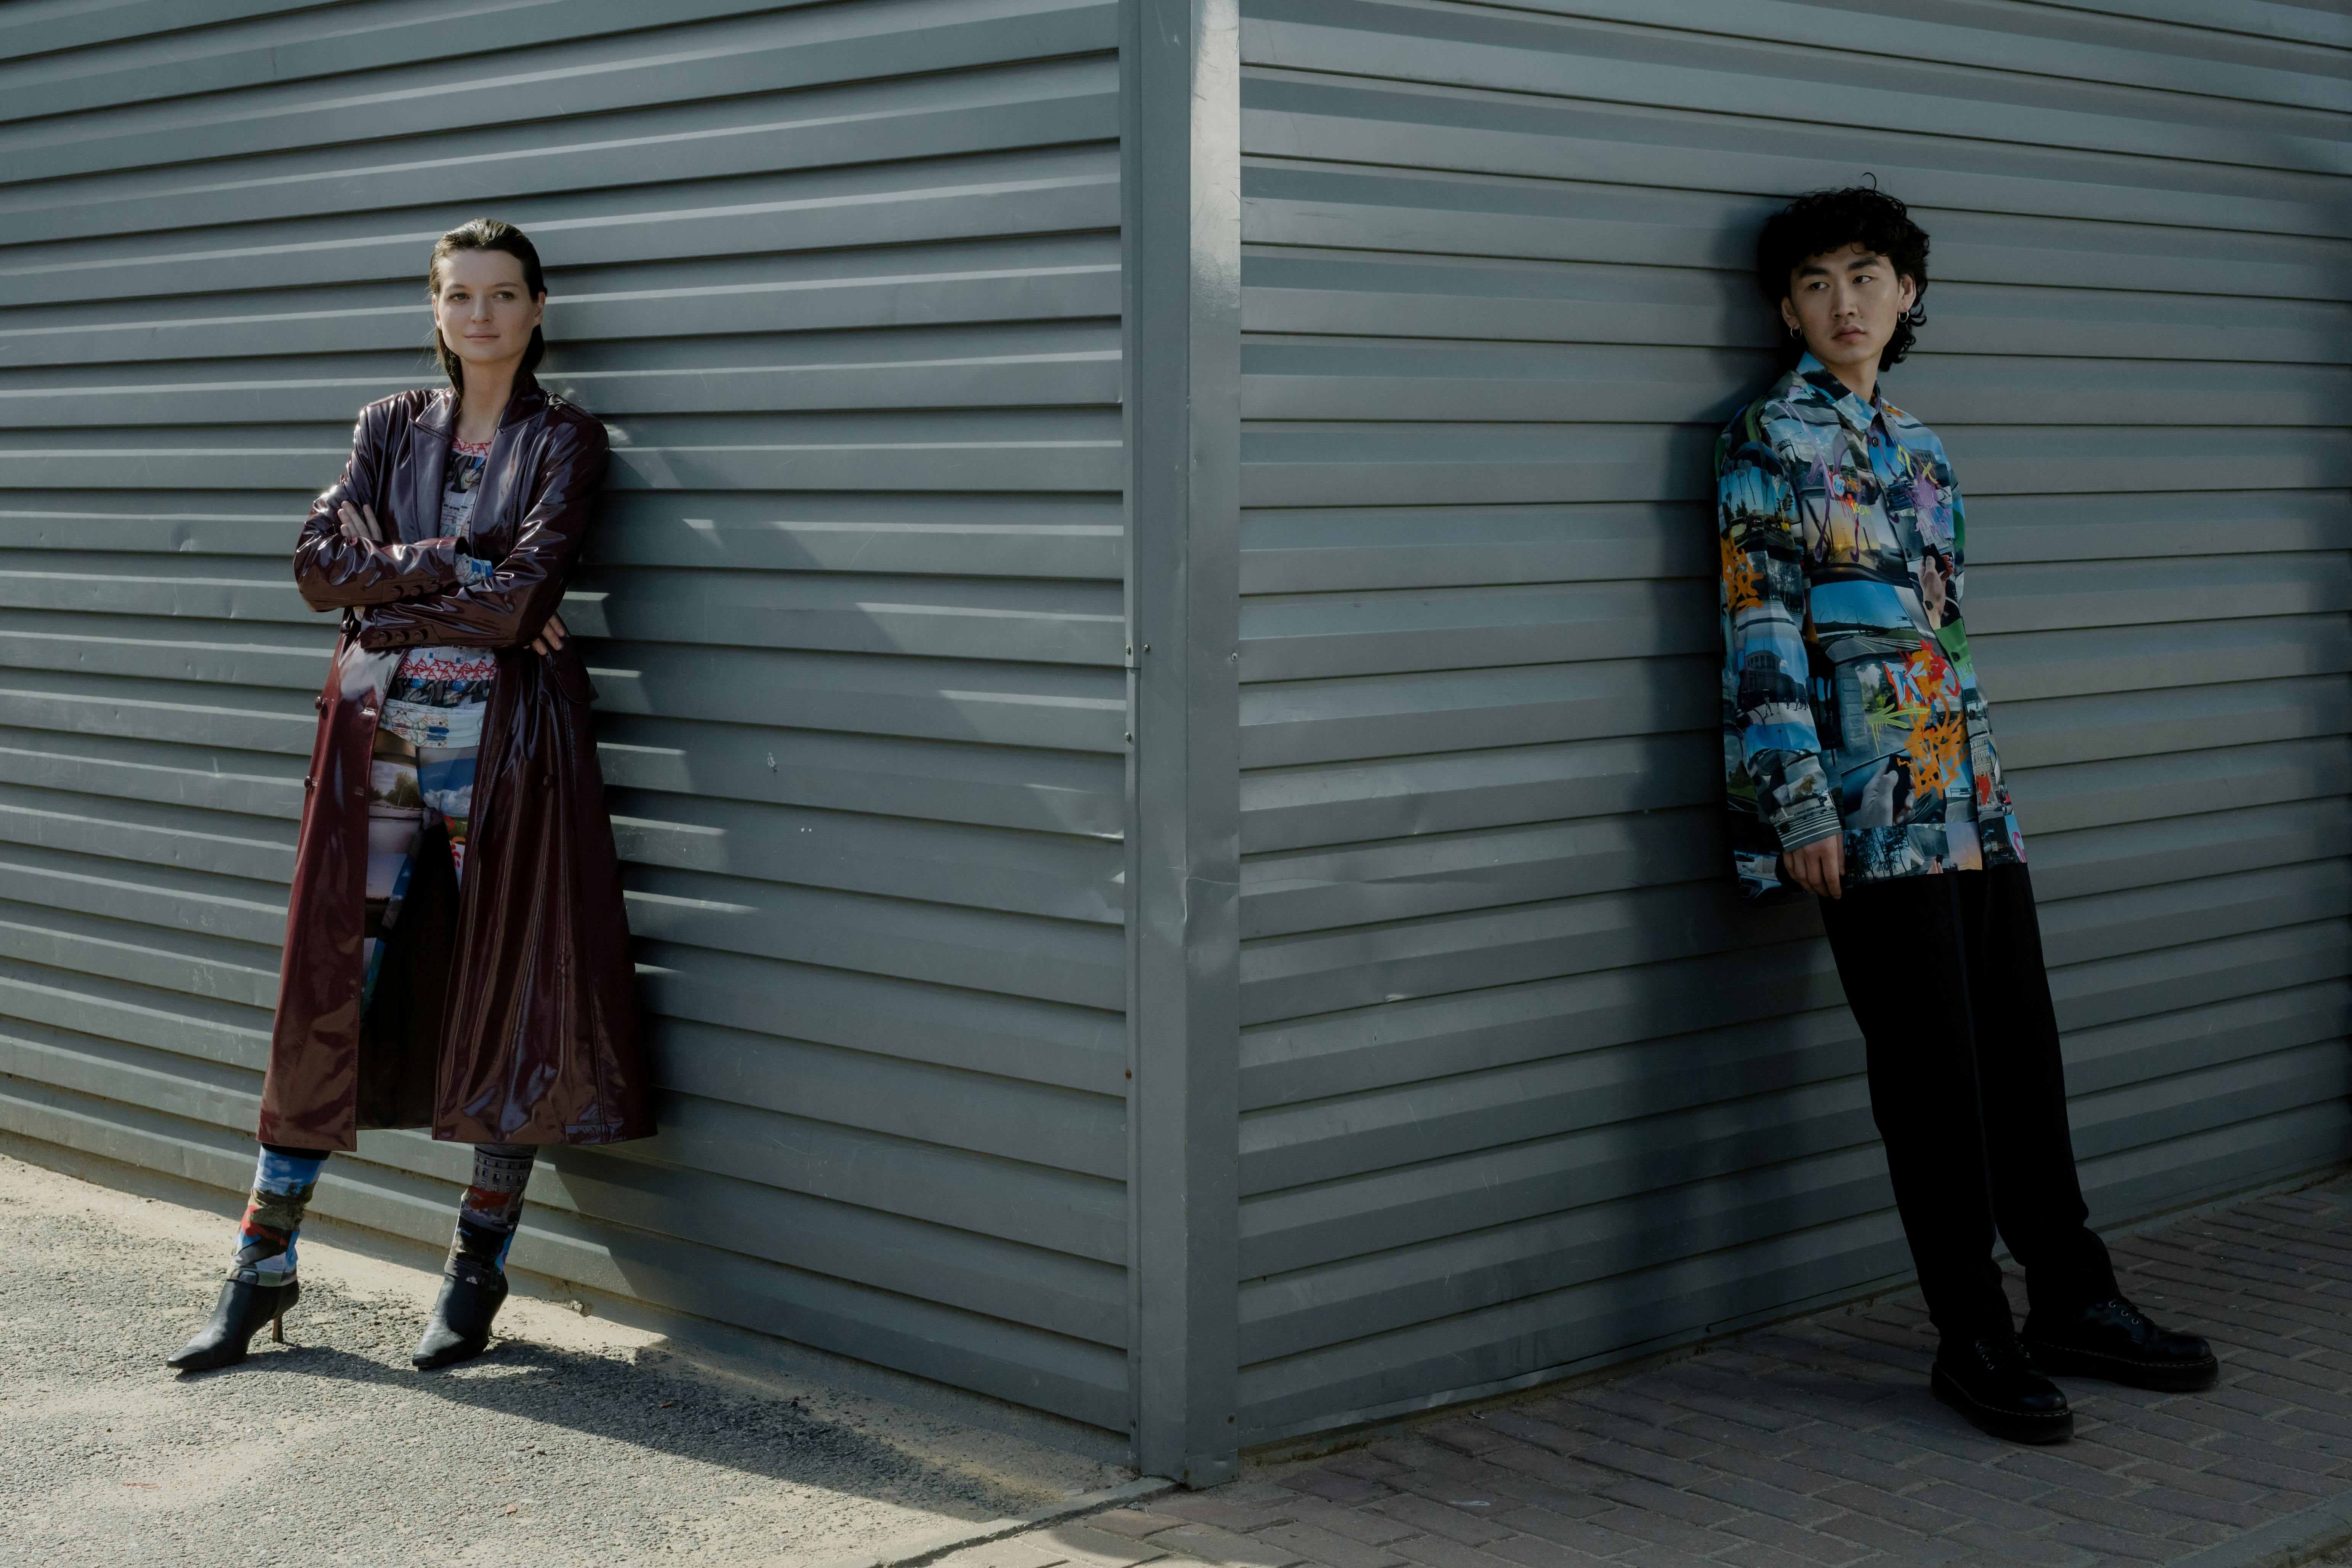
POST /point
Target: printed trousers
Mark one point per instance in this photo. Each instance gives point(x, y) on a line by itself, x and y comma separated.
point(1943, 973)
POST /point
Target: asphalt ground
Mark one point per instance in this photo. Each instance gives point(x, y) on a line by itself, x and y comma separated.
point(577, 1440)
point(574, 1440)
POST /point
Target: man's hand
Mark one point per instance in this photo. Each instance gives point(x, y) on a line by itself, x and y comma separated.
point(550, 636)
point(1818, 868)
point(1935, 586)
point(360, 524)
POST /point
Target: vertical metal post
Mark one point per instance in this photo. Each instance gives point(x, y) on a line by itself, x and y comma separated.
point(1180, 215)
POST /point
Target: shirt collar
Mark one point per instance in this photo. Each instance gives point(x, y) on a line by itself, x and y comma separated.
point(1854, 410)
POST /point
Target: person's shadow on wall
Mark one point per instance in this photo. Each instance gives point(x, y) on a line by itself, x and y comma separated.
point(1751, 1112)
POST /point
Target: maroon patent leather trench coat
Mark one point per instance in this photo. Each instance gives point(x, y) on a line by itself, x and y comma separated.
point(506, 1012)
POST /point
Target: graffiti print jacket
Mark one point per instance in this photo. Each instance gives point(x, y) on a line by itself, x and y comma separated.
point(1850, 704)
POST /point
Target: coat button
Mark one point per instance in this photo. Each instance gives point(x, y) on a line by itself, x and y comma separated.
point(319, 701)
point(308, 785)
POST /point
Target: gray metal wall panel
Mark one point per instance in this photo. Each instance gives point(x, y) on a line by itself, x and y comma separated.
point(844, 280)
point(1180, 161)
point(1524, 1086)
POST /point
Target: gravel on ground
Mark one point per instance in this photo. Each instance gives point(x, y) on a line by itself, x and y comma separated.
point(575, 1440)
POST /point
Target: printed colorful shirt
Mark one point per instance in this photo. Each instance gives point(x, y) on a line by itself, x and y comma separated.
point(1850, 704)
point(438, 694)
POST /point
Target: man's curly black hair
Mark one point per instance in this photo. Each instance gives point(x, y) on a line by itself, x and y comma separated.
point(1821, 221)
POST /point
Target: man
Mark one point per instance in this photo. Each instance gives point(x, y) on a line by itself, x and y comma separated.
point(1861, 770)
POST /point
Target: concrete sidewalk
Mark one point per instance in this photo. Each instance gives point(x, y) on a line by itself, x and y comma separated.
point(1818, 1444)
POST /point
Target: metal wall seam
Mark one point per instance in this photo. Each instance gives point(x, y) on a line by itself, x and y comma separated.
point(1180, 182)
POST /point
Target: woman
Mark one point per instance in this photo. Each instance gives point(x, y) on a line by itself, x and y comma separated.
point(456, 955)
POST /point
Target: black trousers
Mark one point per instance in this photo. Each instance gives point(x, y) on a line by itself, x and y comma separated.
point(1944, 974)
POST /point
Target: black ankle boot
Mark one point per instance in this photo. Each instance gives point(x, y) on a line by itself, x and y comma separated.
point(2111, 1339)
point(244, 1304)
point(460, 1329)
point(1992, 1383)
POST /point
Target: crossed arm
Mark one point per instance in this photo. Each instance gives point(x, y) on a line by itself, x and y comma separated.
point(414, 595)
point(361, 527)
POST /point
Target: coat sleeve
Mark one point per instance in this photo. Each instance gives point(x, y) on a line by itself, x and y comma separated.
point(1775, 749)
point(508, 608)
point(336, 573)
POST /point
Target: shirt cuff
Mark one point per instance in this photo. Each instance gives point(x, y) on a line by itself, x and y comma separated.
point(1809, 821)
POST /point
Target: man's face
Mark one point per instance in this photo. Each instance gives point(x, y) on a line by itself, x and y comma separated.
point(1847, 304)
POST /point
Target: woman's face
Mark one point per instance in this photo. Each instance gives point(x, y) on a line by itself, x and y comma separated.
point(483, 309)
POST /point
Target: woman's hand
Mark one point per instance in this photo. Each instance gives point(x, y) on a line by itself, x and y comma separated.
point(1818, 868)
point(550, 636)
point(360, 524)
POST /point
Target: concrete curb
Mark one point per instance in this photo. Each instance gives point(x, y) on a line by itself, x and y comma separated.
point(2283, 1543)
point(923, 1548)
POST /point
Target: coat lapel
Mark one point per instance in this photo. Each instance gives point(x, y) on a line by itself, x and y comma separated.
point(417, 501)
point(496, 508)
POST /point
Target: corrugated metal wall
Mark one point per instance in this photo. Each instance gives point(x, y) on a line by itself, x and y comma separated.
point(844, 281)
point(1522, 1085)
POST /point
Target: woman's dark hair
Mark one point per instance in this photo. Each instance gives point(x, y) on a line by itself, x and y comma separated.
point(486, 234)
point(1820, 222)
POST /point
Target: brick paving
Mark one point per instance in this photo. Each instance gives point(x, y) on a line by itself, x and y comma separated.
point(1818, 1443)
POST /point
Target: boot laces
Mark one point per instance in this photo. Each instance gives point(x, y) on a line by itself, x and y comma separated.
point(1999, 1351)
point(2123, 1309)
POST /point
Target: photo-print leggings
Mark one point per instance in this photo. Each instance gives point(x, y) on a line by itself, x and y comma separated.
point(409, 789)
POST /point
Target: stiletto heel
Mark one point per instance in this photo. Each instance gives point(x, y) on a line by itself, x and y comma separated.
point(277, 1325)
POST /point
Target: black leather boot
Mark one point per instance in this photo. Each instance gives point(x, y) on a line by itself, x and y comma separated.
point(2112, 1338)
point(460, 1329)
point(244, 1304)
point(1992, 1383)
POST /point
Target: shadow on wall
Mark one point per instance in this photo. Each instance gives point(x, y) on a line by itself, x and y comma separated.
point(1769, 1150)
point(863, 750)
point(1718, 1133)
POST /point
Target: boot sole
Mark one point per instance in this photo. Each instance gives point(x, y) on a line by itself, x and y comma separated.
point(2191, 1377)
point(464, 1350)
point(2008, 1425)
